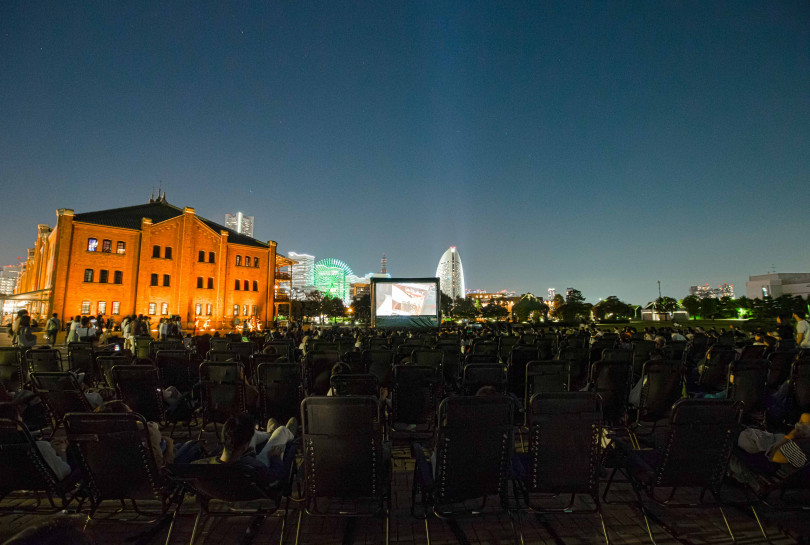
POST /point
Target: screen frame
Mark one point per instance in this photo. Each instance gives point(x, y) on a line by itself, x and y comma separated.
point(408, 322)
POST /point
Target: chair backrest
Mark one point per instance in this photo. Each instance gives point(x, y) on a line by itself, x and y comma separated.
point(139, 387)
point(221, 356)
point(715, 371)
point(564, 445)
point(81, 358)
point(546, 376)
point(546, 347)
point(243, 350)
point(701, 434)
point(463, 472)
point(283, 348)
point(218, 343)
point(379, 362)
point(222, 390)
point(477, 375)
point(105, 365)
point(611, 380)
point(799, 398)
point(157, 346)
point(746, 383)
point(641, 354)
point(115, 454)
point(506, 344)
point(485, 348)
point(415, 396)
point(10, 372)
point(354, 384)
point(279, 390)
point(60, 392)
point(597, 346)
point(318, 370)
point(661, 386)
point(176, 369)
point(143, 347)
point(779, 367)
point(342, 444)
point(617, 354)
point(44, 360)
point(578, 361)
point(519, 358)
point(24, 466)
point(753, 352)
point(427, 356)
point(674, 350)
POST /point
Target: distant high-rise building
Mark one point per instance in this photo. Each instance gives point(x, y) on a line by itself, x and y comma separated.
point(303, 274)
point(551, 294)
point(384, 265)
point(723, 290)
point(451, 274)
point(240, 223)
point(777, 284)
point(8, 278)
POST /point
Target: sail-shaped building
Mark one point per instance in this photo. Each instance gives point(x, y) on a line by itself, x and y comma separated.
point(450, 273)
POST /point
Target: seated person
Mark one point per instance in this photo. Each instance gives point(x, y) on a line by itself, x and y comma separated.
point(54, 453)
point(240, 440)
point(162, 447)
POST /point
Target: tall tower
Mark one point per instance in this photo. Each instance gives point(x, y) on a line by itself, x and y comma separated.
point(240, 223)
point(303, 274)
point(384, 265)
point(451, 274)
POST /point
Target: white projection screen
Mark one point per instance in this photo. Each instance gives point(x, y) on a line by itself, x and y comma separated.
point(405, 303)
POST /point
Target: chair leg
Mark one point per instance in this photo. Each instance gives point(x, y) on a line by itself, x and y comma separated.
point(759, 523)
point(604, 527)
point(298, 528)
point(427, 530)
point(728, 526)
point(517, 529)
point(196, 527)
point(644, 514)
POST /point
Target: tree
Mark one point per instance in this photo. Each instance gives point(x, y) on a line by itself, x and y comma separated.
point(527, 304)
point(333, 307)
point(494, 311)
point(311, 306)
point(708, 307)
point(692, 305)
point(612, 307)
point(446, 305)
point(362, 308)
point(575, 307)
point(465, 308)
point(666, 304)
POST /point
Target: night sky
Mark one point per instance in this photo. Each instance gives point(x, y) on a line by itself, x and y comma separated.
point(601, 146)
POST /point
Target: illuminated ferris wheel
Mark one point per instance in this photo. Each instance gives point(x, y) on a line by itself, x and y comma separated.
point(332, 278)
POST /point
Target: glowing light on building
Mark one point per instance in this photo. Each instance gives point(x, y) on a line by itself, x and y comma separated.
point(332, 277)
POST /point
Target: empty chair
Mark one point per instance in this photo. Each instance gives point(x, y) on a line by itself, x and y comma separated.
point(463, 475)
point(611, 380)
point(218, 343)
point(746, 383)
point(485, 348)
point(546, 347)
point(115, 455)
point(61, 394)
point(547, 376)
point(354, 384)
point(345, 471)
point(506, 344)
point(81, 359)
point(428, 357)
point(222, 392)
point(519, 357)
point(478, 375)
point(416, 392)
point(661, 385)
point(565, 431)
point(139, 387)
point(280, 391)
point(577, 359)
point(176, 368)
point(694, 454)
point(142, 347)
point(379, 362)
point(44, 360)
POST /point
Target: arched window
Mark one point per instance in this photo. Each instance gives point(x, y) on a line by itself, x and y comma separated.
point(239, 261)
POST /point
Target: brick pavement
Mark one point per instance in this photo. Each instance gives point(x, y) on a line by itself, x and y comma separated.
point(624, 522)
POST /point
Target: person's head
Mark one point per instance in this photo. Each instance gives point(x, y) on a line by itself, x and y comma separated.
point(487, 391)
point(114, 406)
point(54, 315)
point(798, 315)
point(236, 434)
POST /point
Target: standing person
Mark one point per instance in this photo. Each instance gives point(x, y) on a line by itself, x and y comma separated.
point(73, 333)
point(802, 330)
point(52, 327)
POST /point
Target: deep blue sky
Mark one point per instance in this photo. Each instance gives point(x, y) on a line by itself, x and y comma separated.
point(602, 146)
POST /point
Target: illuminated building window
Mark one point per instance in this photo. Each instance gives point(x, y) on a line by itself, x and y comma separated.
point(246, 285)
point(103, 276)
point(208, 309)
point(199, 283)
point(245, 310)
point(247, 261)
point(85, 307)
point(116, 308)
point(155, 251)
point(122, 247)
point(152, 309)
point(164, 308)
point(167, 280)
point(255, 286)
point(153, 279)
point(92, 244)
point(201, 256)
point(106, 246)
point(167, 252)
point(239, 261)
point(236, 310)
point(102, 307)
point(88, 275)
point(210, 283)
point(211, 257)
point(118, 277)
point(198, 309)
point(236, 285)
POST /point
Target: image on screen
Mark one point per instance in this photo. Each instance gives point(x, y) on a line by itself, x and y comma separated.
point(405, 302)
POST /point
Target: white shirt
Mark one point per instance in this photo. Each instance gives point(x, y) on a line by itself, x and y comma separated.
point(57, 464)
point(804, 328)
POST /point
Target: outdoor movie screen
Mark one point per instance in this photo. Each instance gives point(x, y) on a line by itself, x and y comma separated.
point(405, 302)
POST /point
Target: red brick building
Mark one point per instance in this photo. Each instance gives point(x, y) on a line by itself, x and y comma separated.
point(153, 259)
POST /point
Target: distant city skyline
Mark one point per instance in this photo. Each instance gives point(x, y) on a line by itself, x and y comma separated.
point(601, 146)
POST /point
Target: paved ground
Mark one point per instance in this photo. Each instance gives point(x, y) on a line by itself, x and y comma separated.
point(624, 523)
